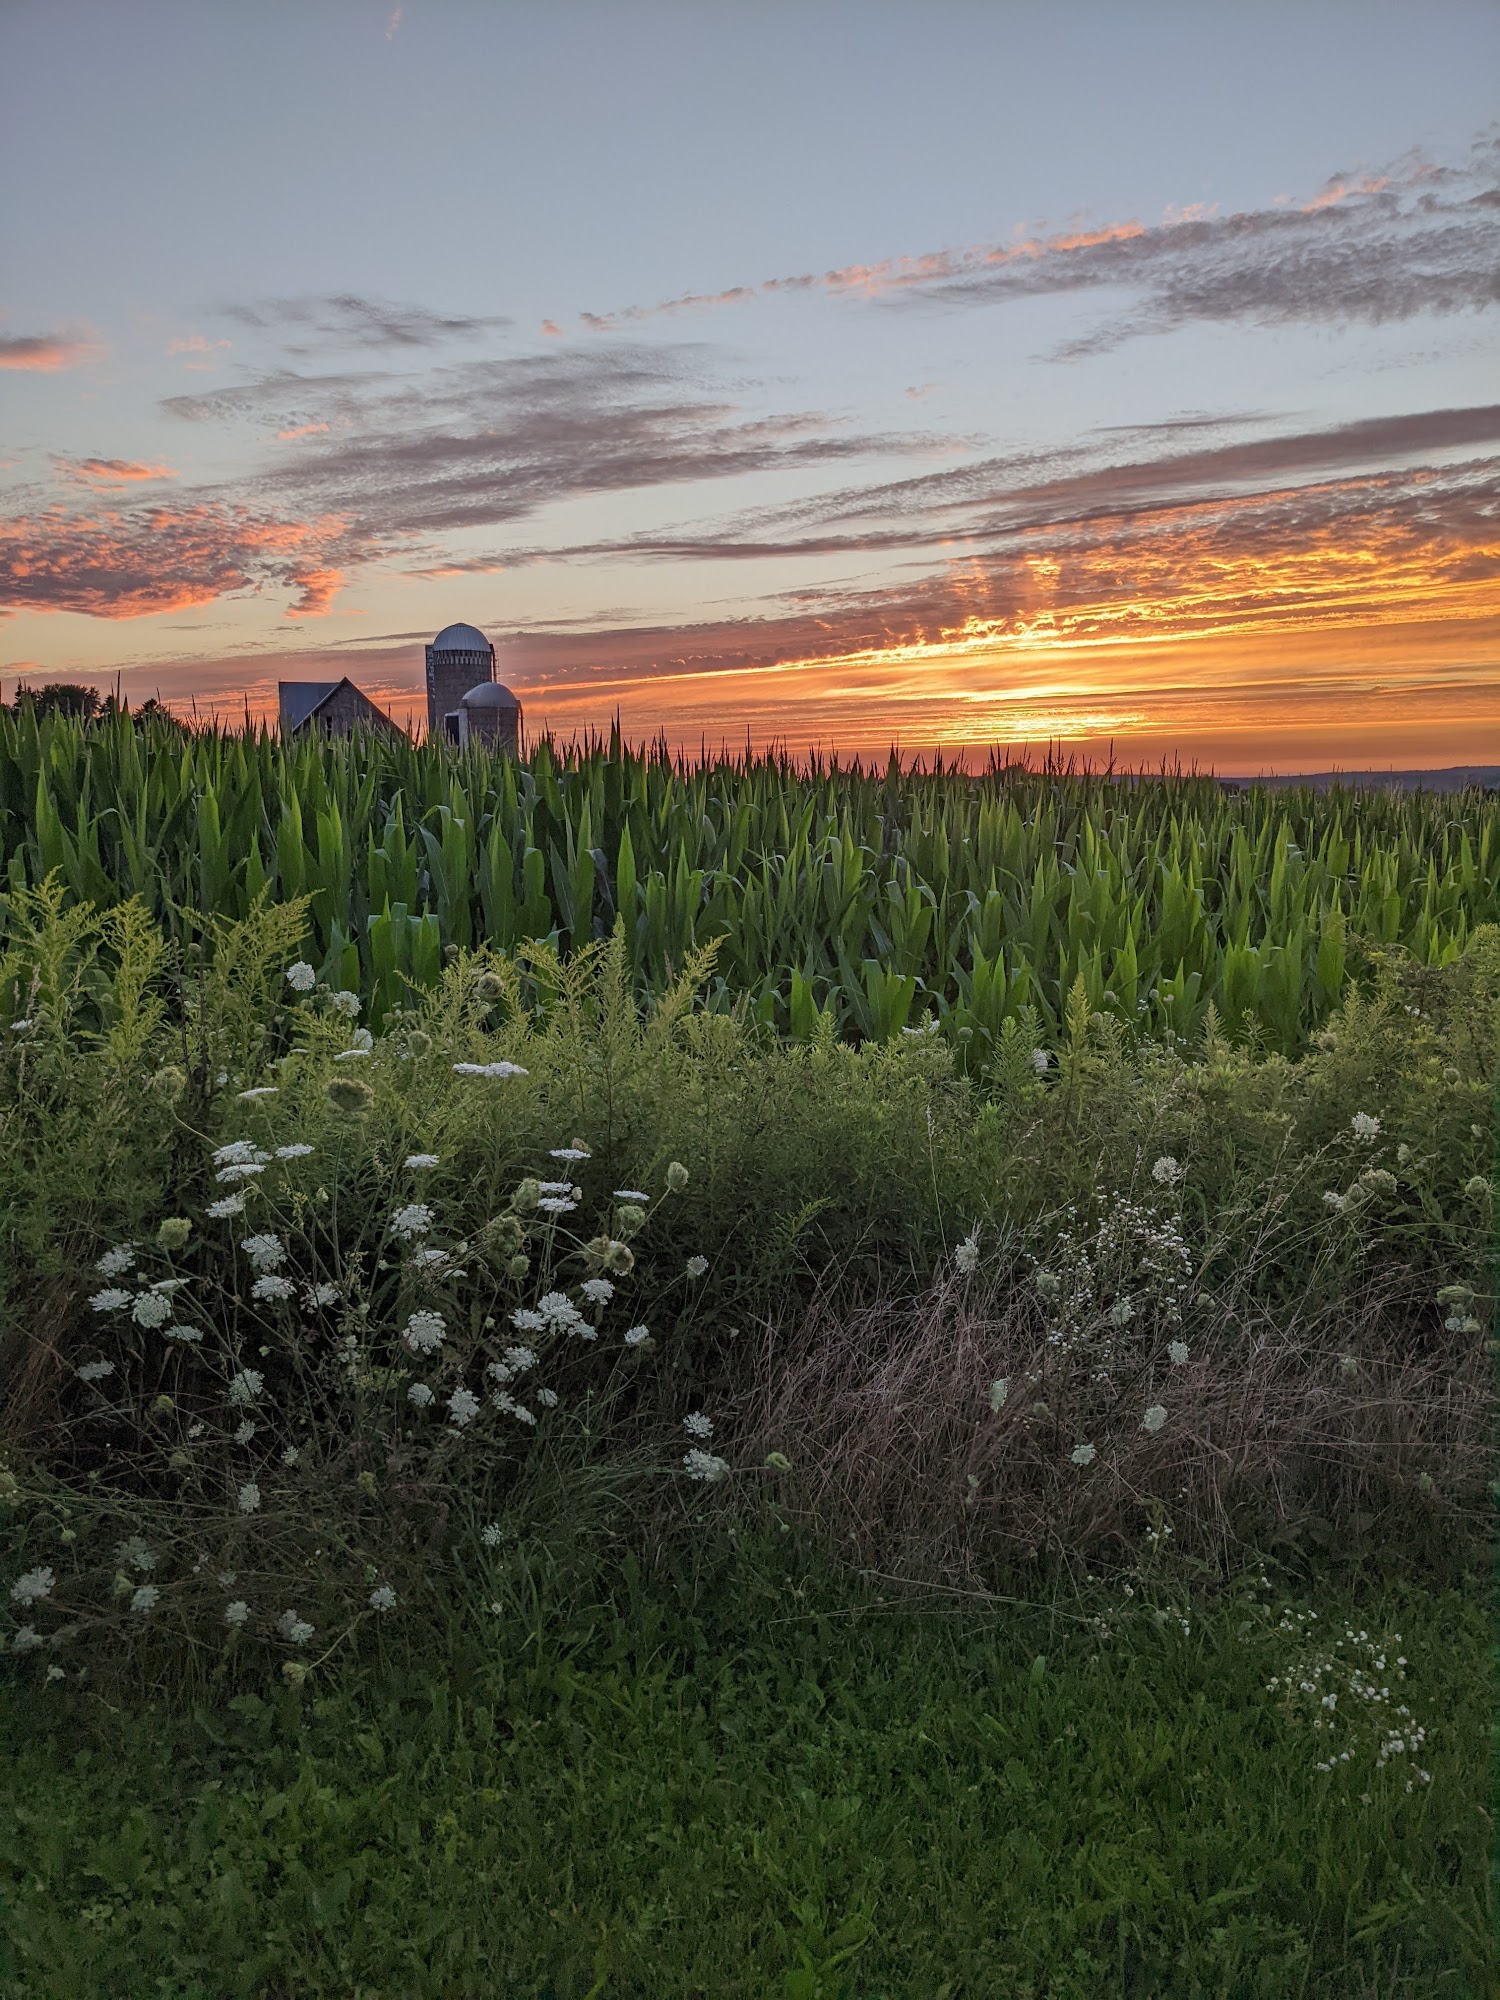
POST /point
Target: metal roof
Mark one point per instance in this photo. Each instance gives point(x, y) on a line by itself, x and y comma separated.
point(489, 694)
point(460, 639)
point(299, 699)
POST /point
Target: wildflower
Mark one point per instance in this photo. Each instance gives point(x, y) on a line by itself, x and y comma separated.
point(1166, 1170)
point(95, 1371)
point(696, 1266)
point(190, 1334)
point(264, 1252)
point(425, 1332)
point(999, 1391)
point(350, 1096)
point(1040, 1060)
point(1154, 1418)
point(599, 1290)
point(229, 1204)
point(966, 1256)
point(236, 1613)
point(547, 1398)
point(110, 1300)
point(246, 1386)
point(55, 1674)
point(570, 1153)
point(115, 1262)
point(272, 1287)
point(151, 1309)
point(1083, 1454)
point(558, 1315)
point(697, 1425)
point(1348, 1366)
point(20, 1027)
point(1333, 1199)
point(703, 1465)
point(631, 1194)
point(492, 1535)
point(290, 1455)
point(636, 1335)
point(345, 1003)
point(1403, 1155)
point(356, 1053)
point(527, 1193)
point(417, 1161)
point(294, 1628)
point(25, 1638)
point(260, 1090)
point(559, 1187)
point(1364, 1126)
point(144, 1597)
point(413, 1220)
point(173, 1232)
point(519, 1359)
point(237, 1153)
point(557, 1204)
point(245, 1171)
point(301, 977)
point(1177, 1353)
point(382, 1598)
point(32, 1587)
point(522, 1414)
point(677, 1177)
point(1121, 1313)
point(420, 1394)
point(245, 1432)
point(321, 1295)
point(1476, 1187)
point(489, 1069)
point(297, 1151)
point(248, 1498)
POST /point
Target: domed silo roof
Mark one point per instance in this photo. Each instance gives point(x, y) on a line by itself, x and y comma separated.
point(489, 694)
point(460, 639)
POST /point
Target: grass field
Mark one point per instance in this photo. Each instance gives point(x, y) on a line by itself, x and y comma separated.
point(567, 1491)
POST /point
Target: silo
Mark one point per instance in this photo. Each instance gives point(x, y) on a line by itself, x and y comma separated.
point(490, 714)
point(458, 657)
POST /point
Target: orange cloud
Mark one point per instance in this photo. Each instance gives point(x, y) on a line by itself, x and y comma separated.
point(304, 431)
point(318, 587)
point(45, 353)
point(106, 472)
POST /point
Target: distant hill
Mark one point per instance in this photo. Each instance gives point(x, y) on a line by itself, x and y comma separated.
point(1453, 779)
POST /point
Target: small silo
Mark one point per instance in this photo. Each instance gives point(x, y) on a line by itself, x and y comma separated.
point(490, 714)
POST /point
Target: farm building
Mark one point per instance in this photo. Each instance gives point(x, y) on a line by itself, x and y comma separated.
point(465, 703)
point(336, 707)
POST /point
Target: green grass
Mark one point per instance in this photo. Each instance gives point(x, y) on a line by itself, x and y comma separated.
point(772, 1787)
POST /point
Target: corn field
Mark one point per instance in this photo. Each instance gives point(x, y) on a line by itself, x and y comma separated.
point(844, 898)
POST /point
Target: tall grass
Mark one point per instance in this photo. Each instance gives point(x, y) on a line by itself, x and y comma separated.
point(845, 899)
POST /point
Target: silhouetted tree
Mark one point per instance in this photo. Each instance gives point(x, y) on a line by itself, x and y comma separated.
point(60, 698)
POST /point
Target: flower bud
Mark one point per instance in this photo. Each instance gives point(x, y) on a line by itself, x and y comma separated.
point(418, 1044)
point(350, 1096)
point(169, 1083)
point(164, 1406)
point(677, 1177)
point(619, 1258)
point(173, 1233)
point(779, 1461)
point(293, 1672)
point(518, 1266)
point(528, 1193)
point(1476, 1187)
point(366, 1483)
point(629, 1218)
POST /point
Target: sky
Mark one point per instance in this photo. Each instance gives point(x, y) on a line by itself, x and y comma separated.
point(946, 376)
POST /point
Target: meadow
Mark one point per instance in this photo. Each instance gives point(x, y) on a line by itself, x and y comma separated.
point(895, 1398)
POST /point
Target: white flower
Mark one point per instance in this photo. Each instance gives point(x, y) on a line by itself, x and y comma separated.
point(187, 1333)
point(246, 1386)
point(547, 1398)
point(999, 1391)
point(321, 1295)
point(1154, 1418)
point(245, 1172)
point(463, 1407)
point(230, 1204)
point(20, 1027)
point(290, 1455)
point(697, 1425)
point(1083, 1454)
point(382, 1598)
point(264, 1252)
point(249, 1498)
point(110, 1300)
point(351, 1055)
point(1332, 1198)
point(236, 1613)
point(557, 1312)
point(703, 1465)
point(570, 1153)
point(294, 1628)
point(966, 1256)
point(1177, 1353)
point(425, 1332)
point(492, 1535)
point(522, 1414)
point(636, 1195)
point(260, 1090)
point(151, 1309)
point(488, 1069)
point(1364, 1126)
point(556, 1204)
point(32, 1587)
point(416, 1161)
point(558, 1187)
point(95, 1371)
point(56, 1674)
point(134, 1551)
point(1121, 1313)
point(524, 1320)
point(272, 1287)
point(345, 1003)
point(1039, 1060)
point(169, 1284)
point(296, 1152)
point(420, 1394)
point(25, 1638)
point(696, 1266)
point(236, 1153)
point(145, 1597)
point(519, 1359)
point(301, 977)
point(1166, 1170)
point(413, 1220)
point(115, 1262)
point(636, 1335)
point(600, 1290)
point(245, 1432)
point(429, 1260)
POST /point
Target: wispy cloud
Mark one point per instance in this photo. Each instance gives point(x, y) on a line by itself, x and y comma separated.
point(109, 472)
point(45, 353)
point(347, 320)
point(199, 344)
point(1368, 248)
point(393, 24)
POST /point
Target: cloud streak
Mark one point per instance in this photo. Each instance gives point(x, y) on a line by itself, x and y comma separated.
point(348, 320)
point(46, 353)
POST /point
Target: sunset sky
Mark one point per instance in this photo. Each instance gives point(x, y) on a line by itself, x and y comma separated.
point(834, 374)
